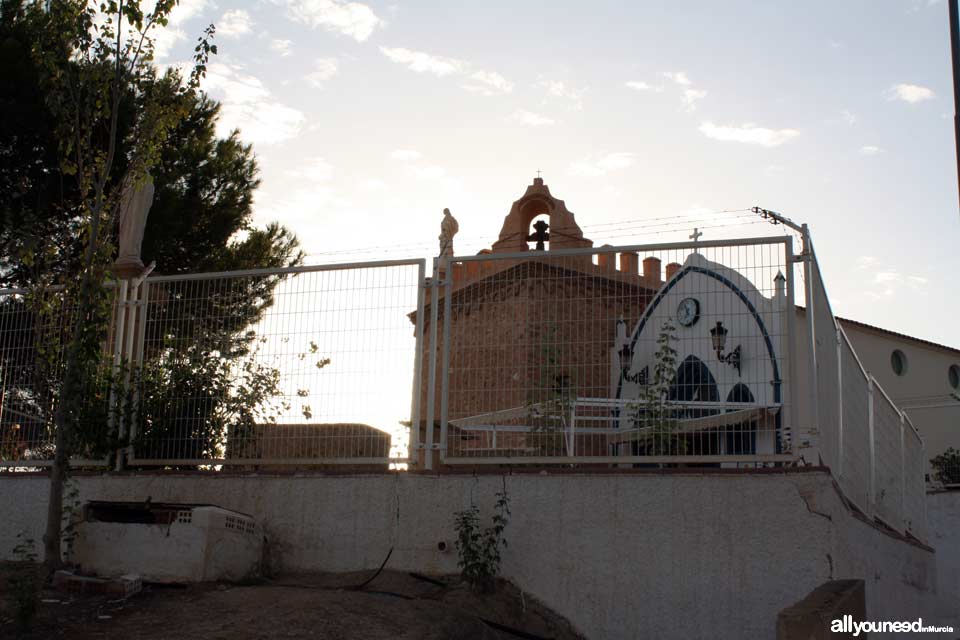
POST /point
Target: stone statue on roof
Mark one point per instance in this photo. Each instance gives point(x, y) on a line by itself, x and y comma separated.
point(448, 229)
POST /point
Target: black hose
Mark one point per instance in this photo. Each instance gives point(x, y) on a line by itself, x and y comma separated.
point(374, 576)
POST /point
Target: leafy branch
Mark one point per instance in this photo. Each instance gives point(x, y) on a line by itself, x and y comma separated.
point(478, 549)
point(656, 418)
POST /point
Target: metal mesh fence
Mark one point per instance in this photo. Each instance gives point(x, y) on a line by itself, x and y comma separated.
point(889, 472)
point(862, 435)
point(307, 366)
point(660, 353)
point(824, 348)
point(915, 463)
point(36, 327)
point(854, 453)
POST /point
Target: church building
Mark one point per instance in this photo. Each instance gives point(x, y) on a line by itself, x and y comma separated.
point(558, 354)
point(550, 354)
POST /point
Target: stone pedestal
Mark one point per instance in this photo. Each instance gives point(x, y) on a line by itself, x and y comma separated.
point(125, 268)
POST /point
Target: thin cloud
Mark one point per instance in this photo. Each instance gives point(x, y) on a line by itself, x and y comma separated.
point(558, 89)
point(488, 83)
point(911, 93)
point(593, 167)
point(848, 117)
point(531, 119)
point(870, 150)
point(485, 83)
point(423, 62)
point(679, 77)
point(405, 155)
point(688, 95)
point(748, 134)
point(888, 282)
point(283, 47)
point(372, 184)
point(165, 39)
point(315, 169)
point(323, 70)
point(690, 98)
point(249, 106)
point(353, 19)
point(773, 170)
point(639, 85)
point(234, 24)
point(432, 172)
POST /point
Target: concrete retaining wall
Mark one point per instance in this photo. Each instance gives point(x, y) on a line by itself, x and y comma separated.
point(621, 555)
point(943, 517)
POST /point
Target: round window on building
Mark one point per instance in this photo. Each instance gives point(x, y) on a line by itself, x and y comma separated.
point(898, 360)
point(953, 375)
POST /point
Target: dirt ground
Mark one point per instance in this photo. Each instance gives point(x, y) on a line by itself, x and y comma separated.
point(327, 606)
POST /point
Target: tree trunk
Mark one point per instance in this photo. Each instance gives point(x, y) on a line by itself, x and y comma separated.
point(52, 557)
point(72, 385)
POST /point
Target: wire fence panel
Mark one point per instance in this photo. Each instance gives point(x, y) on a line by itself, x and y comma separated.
point(915, 487)
point(36, 327)
point(824, 348)
point(306, 366)
point(889, 462)
point(879, 466)
point(854, 464)
point(660, 353)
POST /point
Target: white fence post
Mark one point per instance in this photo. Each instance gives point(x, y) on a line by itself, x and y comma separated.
point(115, 422)
point(871, 442)
point(840, 402)
point(792, 351)
point(139, 338)
point(413, 443)
point(903, 476)
point(811, 271)
point(445, 375)
point(432, 379)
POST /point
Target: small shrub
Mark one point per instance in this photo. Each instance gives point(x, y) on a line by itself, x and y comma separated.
point(478, 549)
point(946, 466)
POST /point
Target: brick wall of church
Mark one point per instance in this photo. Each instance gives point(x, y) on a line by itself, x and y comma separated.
point(531, 334)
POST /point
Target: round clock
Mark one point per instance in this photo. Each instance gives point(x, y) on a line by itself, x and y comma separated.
point(688, 312)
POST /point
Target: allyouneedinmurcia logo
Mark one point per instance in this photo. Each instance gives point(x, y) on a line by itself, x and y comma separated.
point(847, 624)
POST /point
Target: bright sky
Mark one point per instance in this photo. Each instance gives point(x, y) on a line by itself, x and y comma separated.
point(369, 118)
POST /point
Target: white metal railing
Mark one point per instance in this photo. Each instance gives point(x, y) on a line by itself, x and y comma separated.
point(300, 366)
point(708, 418)
point(869, 444)
point(35, 328)
point(321, 361)
point(552, 357)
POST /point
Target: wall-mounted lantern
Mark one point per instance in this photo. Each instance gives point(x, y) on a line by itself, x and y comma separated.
point(626, 361)
point(718, 335)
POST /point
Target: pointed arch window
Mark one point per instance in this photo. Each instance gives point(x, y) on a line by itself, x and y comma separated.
point(695, 383)
point(740, 438)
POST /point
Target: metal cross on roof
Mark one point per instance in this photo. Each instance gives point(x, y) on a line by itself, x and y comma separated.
point(538, 173)
point(696, 234)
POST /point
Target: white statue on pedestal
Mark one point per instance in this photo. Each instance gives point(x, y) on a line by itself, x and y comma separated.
point(135, 203)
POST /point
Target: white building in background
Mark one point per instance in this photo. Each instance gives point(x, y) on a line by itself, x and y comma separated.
point(922, 378)
point(730, 356)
